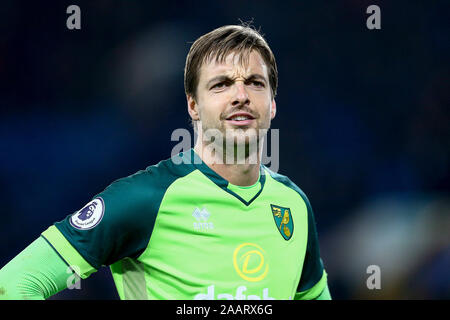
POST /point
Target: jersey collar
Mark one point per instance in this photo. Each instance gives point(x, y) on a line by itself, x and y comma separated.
point(221, 182)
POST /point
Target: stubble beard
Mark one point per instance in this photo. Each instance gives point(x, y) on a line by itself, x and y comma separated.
point(233, 145)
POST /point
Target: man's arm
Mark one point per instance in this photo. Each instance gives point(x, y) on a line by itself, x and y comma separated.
point(319, 291)
point(313, 283)
point(325, 295)
point(36, 273)
point(41, 270)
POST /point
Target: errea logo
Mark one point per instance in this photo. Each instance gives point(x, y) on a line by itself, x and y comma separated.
point(202, 217)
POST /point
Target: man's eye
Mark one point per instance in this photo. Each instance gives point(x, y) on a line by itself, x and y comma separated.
point(219, 85)
point(258, 84)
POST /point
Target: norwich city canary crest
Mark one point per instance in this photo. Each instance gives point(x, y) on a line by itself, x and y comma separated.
point(283, 221)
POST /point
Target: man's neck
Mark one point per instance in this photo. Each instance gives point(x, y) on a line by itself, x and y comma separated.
point(238, 174)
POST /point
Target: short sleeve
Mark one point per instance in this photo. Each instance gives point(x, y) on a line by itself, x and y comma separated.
point(115, 224)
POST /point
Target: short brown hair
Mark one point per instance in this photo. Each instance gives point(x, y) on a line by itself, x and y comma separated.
point(218, 44)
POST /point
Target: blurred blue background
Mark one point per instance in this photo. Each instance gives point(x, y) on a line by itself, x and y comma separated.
point(363, 118)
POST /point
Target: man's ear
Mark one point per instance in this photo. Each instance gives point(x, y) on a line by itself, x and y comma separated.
point(192, 107)
point(273, 110)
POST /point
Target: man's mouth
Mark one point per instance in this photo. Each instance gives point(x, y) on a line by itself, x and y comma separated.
point(240, 118)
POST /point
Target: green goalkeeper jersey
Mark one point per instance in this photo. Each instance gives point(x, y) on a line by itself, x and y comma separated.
point(177, 230)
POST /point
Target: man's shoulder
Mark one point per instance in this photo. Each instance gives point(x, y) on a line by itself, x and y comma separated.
point(286, 181)
point(154, 177)
point(177, 166)
point(140, 193)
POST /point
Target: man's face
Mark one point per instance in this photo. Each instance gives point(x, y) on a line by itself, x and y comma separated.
point(231, 95)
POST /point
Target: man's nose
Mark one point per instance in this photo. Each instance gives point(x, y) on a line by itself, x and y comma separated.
point(240, 96)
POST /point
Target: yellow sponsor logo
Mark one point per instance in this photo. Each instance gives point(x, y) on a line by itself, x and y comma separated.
point(248, 261)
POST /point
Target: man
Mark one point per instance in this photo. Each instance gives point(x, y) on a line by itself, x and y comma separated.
point(201, 225)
